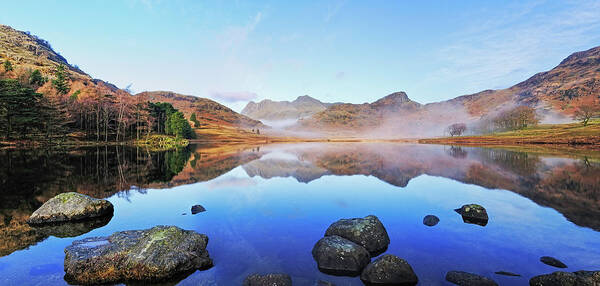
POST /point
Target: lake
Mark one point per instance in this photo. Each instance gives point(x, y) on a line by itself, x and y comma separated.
point(266, 206)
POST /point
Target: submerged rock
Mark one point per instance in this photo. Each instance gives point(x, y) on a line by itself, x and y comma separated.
point(70, 207)
point(323, 283)
point(552, 262)
point(473, 213)
point(430, 220)
point(277, 279)
point(154, 254)
point(339, 256)
point(368, 232)
point(462, 278)
point(560, 278)
point(389, 270)
point(198, 209)
point(506, 273)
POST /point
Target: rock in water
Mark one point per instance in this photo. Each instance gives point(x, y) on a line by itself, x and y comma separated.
point(198, 209)
point(389, 270)
point(552, 262)
point(473, 213)
point(506, 273)
point(368, 232)
point(70, 207)
point(339, 256)
point(560, 278)
point(154, 254)
point(430, 220)
point(468, 279)
point(276, 279)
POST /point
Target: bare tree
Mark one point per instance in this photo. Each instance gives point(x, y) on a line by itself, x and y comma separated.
point(456, 129)
point(585, 112)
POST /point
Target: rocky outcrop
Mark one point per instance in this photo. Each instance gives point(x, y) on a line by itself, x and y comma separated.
point(462, 278)
point(430, 220)
point(277, 279)
point(552, 262)
point(154, 254)
point(70, 207)
point(473, 213)
point(560, 278)
point(340, 256)
point(368, 232)
point(389, 270)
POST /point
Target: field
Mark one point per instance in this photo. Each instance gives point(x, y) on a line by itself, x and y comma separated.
point(572, 134)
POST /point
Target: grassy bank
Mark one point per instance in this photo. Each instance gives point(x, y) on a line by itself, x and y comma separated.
point(161, 142)
point(572, 134)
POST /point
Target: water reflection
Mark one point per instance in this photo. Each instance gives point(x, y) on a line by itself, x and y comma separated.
point(568, 184)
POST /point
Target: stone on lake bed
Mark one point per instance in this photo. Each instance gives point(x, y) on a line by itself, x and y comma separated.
point(155, 254)
point(462, 278)
point(274, 279)
point(70, 207)
point(506, 273)
point(430, 220)
point(552, 262)
point(368, 232)
point(560, 278)
point(197, 209)
point(339, 256)
point(473, 213)
point(389, 270)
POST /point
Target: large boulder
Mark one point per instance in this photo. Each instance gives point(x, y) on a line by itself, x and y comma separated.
point(70, 207)
point(462, 278)
point(154, 254)
point(276, 279)
point(473, 213)
point(552, 262)
point(339, 256)
point(368, 232)
point(560, 278)
point(389, 270)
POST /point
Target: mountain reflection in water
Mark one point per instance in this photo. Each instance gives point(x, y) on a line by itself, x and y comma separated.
point(566, 182)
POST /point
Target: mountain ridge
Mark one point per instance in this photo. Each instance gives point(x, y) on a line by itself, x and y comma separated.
point(302, 106)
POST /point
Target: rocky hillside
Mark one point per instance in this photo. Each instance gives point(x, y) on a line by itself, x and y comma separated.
point(207, 111)
point(303, 106)
point(555, 94)
point(27, 52)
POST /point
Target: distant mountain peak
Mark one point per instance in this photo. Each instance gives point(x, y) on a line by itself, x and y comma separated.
point(302, 106)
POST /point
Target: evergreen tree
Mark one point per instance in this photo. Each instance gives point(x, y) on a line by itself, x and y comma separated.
point(19, 109)
point(193, 119)
point(8, 66)
point(61, 82)
point(35, 78)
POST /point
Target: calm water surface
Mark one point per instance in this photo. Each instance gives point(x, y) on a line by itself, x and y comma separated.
point(268, 205)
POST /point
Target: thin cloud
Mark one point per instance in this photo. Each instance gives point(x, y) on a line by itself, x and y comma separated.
point(233, 96)
point(333, 10)
point(340, 75)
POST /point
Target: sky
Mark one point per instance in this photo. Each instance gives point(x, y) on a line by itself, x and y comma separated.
point(335, 51)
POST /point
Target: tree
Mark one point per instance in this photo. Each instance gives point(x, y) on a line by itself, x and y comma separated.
point(36, 78)
point(517, 118)
point(19, 109)
point(193, 119)
point(177, 125)
point(456, 129)
point(61, 83)
point(586, 112)
point(8, 66)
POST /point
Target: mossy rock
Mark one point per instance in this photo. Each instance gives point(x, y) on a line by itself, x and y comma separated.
point(339, 256)
point(151, 255)
point(389, 270)
point(368, 232)
point(468, 279)
point(274, 279)
point(560, 278)
point(473, 213)
point(70, 207)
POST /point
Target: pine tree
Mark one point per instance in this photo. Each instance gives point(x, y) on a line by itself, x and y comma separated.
point(193, 119)
point(8, 66)
point(35, 78)
point(19, 109)
point(61, 82)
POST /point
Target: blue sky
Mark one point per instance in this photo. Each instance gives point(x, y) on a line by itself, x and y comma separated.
point(351, 51)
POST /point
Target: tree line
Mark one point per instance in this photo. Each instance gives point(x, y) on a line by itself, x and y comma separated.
point(26, 114)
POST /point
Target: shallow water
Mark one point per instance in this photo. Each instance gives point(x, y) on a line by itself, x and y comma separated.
point(268, 205)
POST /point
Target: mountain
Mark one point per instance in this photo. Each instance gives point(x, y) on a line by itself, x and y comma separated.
point(303, 106)
point(554, 94)
point(361, 116)
point(207, 111)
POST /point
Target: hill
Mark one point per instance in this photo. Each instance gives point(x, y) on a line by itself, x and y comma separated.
point(303, 106)
point(555, 95)
point(207, 111)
